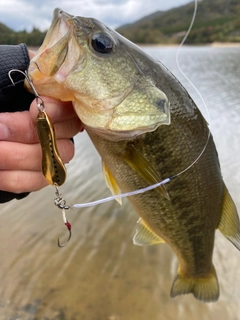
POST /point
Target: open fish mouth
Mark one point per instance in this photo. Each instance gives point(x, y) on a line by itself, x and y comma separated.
point(61, 27)
point(52, 59)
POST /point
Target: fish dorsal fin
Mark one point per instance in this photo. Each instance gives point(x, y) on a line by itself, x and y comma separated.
point(141, 165)
point(144, 236)
point(229, 223)
point(111, 182)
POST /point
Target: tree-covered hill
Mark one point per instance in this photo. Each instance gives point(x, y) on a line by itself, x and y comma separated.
point(216, 20)
point(9, 36)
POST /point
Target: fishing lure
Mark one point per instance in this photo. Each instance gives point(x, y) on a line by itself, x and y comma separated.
point(53, 167)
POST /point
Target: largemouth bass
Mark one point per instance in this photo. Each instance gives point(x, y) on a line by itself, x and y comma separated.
point(145, 127)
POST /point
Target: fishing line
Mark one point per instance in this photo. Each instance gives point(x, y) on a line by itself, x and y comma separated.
point(121, 195)
point(180, 69)
point(194, 87)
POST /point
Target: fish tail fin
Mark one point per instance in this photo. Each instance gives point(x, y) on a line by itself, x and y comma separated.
point(205, 288)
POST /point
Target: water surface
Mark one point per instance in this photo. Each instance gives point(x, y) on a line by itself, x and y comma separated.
point(101, 275)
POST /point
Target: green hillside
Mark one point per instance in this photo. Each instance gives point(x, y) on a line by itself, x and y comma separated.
point(217, 20)
point(9, 36)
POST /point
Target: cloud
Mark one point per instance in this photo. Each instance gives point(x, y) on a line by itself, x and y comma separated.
point(19, 14)
point(25, 14)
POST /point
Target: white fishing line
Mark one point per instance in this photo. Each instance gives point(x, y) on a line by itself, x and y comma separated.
point(151, 187)
point(121, 195)
point(180, 69)
point(194, 87)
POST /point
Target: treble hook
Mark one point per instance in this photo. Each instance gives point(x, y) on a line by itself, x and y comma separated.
point(41, 106)
point(69, 237)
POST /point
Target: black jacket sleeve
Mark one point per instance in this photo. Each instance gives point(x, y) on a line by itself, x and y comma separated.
point(13, 98)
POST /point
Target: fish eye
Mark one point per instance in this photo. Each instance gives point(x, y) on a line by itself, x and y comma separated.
point(102, 43)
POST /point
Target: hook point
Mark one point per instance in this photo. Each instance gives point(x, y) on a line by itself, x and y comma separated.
point(66, 242)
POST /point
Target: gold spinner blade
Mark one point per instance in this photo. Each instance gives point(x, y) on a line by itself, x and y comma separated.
point(53, 167)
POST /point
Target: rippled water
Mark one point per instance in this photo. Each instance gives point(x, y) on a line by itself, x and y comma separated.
point(101, 275)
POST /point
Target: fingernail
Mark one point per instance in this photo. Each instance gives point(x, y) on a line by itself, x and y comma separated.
point(3, 132)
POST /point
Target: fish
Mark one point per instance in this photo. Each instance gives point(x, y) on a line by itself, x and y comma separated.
point(146, 128)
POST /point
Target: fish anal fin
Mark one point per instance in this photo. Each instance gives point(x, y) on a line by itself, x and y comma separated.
point(205, 288)
point(229, 223)
point(111, 182)
point(144, 236)
point(144, 168)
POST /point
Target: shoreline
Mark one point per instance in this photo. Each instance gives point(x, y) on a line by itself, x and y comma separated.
point(176, 45)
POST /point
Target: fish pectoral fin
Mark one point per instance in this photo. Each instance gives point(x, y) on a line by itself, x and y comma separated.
point(229, 223)
point(111, 182)
point(205, 288)
point(144, 236)
point(141, 165)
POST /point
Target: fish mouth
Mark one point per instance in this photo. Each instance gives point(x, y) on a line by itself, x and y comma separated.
point(60, 29)
point(52, 59)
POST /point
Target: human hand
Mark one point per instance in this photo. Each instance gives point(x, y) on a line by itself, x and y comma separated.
point(20, 151)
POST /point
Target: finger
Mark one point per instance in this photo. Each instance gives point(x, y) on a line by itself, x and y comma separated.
point(18, 156)
point(22, 181)
point(57, 110)
point(19, 127)
point(31, 53)
point(68, 129)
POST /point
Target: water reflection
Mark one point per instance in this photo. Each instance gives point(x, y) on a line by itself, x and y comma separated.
point(101, 275)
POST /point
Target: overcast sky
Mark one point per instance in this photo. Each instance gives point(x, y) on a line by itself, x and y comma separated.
point(24, 14)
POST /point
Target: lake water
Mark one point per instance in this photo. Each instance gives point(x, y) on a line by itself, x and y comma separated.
point(100, 274)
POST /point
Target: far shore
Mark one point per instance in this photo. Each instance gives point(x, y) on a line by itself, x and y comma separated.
point(176, 45)
point(214, 44)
